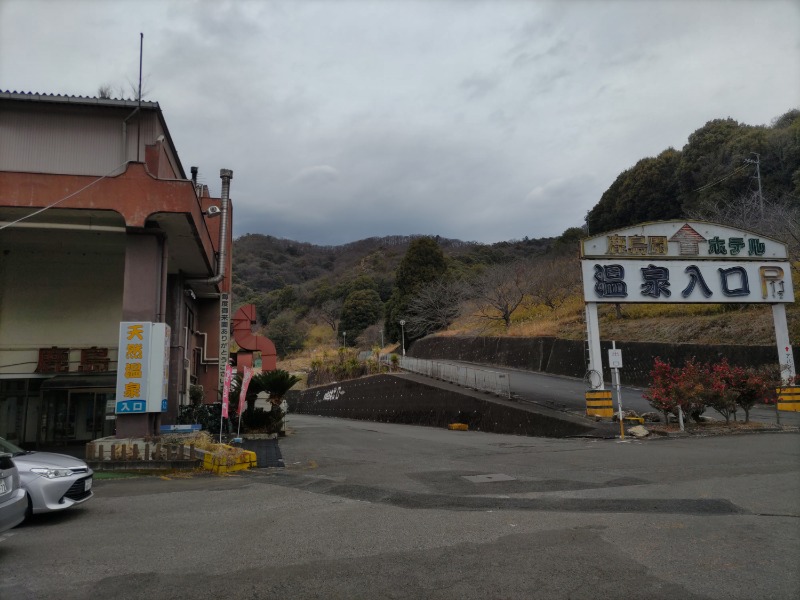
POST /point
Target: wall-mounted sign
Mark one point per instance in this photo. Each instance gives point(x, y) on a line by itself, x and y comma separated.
point(685, 262)
point(615, 358)
point(53, 360)
point(94, 359)
point(683, 240)
point(142, 367)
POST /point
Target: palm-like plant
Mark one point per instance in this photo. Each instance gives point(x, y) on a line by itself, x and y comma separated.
point(275, 383)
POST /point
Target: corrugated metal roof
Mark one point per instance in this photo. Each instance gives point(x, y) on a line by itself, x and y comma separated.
point(92, 101)
point(82, 100)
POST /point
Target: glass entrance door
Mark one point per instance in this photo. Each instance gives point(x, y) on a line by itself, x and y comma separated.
point(90, 408)
point(62, 426)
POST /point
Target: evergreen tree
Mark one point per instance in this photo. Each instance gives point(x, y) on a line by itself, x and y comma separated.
point(361, 309)
point(423, 263)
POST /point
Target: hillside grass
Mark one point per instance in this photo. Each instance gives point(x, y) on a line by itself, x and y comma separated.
point(738, 324)
point(729, 324)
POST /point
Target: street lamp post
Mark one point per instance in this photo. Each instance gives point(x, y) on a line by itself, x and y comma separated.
point(403, 335)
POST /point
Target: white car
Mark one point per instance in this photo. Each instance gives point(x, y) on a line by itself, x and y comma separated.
point(51, 481)
point(12, 497)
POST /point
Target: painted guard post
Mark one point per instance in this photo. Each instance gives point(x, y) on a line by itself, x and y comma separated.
point(599, 403)
point(789, 398)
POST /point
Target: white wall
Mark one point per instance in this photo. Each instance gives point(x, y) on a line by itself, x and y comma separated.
point(58, 288)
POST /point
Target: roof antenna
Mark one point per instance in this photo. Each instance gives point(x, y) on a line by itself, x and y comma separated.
point(139, 121)
point(141, 45)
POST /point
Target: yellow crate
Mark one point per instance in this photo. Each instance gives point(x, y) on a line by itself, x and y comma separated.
point(229, 463)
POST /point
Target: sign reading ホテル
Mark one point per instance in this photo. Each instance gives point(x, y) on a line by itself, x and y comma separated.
point(142, 367)
point(679, 261)
point(685, 262)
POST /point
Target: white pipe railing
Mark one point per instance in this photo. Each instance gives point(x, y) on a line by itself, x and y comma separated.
point(483, 380)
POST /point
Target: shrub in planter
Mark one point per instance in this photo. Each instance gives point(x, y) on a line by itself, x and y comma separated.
point(262, 421)
point(207, 415)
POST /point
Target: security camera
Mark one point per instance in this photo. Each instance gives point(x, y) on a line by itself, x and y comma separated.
point(160, 138)
point(212, 211)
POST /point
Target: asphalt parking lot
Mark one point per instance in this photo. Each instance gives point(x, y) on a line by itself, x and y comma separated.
point(368, 510)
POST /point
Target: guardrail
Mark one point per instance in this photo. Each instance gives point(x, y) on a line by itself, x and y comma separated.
point(482, 380)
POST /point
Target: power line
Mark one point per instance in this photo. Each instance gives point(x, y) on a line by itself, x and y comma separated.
point(728, 176)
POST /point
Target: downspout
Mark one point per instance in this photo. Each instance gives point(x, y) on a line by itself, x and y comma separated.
point(226, 175)
point(162, 308)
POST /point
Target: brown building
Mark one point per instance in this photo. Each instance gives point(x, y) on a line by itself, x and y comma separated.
point(99, 224)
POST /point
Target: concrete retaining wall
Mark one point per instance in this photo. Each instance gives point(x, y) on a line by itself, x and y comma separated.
point(398, 399)
point(568, 357)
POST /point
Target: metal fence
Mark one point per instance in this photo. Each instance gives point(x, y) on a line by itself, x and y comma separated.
point(469, 377)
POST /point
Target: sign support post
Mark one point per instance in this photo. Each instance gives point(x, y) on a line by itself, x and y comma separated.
point(593, 340)
point(615, 362)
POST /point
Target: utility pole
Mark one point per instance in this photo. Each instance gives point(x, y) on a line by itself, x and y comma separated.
point(757, 163)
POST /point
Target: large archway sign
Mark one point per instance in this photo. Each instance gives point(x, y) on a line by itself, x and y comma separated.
point(686, 262)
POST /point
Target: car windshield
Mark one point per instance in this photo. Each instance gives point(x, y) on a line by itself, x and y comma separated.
point(6, 446)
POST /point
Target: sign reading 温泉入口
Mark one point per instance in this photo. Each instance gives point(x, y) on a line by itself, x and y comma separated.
point(685, 262)
point(142, 367)
point(690, 262)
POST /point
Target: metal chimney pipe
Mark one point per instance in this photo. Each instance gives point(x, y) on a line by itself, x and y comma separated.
point(226, 175)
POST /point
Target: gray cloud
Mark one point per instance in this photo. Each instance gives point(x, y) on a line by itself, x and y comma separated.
point(483, 121)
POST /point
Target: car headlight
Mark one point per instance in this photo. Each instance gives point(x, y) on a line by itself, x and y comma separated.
point(52, 473)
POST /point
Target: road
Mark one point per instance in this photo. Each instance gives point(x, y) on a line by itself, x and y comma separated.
point(567, 393)
point(374, 510)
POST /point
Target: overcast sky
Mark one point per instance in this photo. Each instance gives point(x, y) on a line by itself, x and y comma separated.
point(483, 121)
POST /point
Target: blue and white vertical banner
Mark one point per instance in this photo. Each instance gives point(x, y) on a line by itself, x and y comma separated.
point(142, 367)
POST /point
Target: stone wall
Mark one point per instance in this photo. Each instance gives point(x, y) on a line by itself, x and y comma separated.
point(568, 357)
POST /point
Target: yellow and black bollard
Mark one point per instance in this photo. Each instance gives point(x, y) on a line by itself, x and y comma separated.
point(599, 403)
point(789, 398)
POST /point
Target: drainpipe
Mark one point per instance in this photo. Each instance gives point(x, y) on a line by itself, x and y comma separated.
point(226, 175)
point(162, 306)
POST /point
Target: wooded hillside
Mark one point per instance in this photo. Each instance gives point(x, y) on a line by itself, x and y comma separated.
point(310, 295)
point(720, 163)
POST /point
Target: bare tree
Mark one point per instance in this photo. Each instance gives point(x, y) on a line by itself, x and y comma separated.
point(500, 291)
point(330, 312)
point(556, 279)
point(435, 307)
point(371, 337)
point(776, 219)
